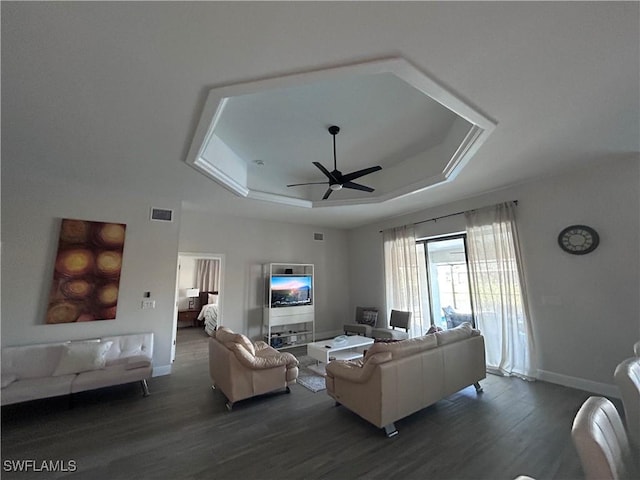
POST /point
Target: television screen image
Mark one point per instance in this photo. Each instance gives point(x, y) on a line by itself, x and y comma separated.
point(290, 290)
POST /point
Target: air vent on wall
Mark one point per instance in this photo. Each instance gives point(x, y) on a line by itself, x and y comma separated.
point(161, 215)
point(318, 236)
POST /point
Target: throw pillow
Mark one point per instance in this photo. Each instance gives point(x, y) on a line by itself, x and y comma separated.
point(369, 317)
point(81, 357)
point(454, 334)
point(433, 329)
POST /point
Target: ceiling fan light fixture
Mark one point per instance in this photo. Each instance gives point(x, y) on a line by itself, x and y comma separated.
point(336, 180)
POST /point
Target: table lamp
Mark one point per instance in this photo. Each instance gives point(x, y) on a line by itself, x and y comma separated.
point(192, 293)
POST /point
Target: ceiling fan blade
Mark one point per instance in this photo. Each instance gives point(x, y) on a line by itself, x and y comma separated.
point(327, 193)
point(360, 173)
point(357, 186)
point(326, 172)
point(308, 183)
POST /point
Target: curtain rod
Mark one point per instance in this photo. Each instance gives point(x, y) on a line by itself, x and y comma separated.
point(435, 219)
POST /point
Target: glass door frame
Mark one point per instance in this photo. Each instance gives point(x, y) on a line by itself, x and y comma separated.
point(453, 236)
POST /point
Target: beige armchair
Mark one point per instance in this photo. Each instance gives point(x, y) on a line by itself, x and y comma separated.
point(242, 369)
point(398, 319)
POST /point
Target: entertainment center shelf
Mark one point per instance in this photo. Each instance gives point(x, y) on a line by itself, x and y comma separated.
point(288, 314)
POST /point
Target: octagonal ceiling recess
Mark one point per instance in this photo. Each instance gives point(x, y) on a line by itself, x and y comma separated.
point(255, 138)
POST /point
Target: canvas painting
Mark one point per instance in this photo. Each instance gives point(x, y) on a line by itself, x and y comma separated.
point(86, 277)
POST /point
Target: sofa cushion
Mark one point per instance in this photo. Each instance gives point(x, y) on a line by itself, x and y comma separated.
point(106, 377)
point(33, 388)
point(138, 361)
point(456, 334)
point(129, 345)
point(31, 361)
point(82, 356)
point(403, 348)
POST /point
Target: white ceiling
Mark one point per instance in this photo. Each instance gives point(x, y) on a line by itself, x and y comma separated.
point(111, 93)
point(287, 128)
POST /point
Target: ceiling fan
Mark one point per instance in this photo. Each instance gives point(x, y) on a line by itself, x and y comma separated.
point(338, 181)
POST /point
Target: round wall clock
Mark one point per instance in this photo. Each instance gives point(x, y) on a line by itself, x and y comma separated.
point(578, 239)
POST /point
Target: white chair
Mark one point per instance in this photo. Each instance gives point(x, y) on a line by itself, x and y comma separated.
point(627, 377)
point(601, 441)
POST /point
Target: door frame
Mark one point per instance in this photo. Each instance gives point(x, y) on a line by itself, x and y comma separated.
point(196, 255)
point(450, 236)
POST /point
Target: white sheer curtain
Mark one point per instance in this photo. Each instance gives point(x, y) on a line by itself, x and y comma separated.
point(208, 274)
point(498, 288)
point(402, 285)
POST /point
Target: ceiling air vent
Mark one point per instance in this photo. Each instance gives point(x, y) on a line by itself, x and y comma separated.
point(161, 215)
point(319, 237)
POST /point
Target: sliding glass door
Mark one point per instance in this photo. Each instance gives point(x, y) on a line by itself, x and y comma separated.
point(446, 277)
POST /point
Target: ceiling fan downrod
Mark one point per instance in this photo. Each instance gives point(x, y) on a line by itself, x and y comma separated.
point(334, 130)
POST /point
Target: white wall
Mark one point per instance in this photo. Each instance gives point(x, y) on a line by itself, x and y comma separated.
point(31, 213)
point(585, 309)
point(248, 244)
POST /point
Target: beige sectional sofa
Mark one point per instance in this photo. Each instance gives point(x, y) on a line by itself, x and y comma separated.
point(47, 370)
point(242, 369)
point(394, 380)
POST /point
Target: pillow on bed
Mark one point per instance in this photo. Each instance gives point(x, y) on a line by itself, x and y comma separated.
point(213, 298)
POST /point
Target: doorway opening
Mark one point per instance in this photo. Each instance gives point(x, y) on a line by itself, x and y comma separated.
point(199, 294)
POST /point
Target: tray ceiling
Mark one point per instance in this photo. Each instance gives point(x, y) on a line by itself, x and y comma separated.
point(256, 138)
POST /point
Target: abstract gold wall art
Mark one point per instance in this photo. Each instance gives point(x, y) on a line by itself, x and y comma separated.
point(86, 277)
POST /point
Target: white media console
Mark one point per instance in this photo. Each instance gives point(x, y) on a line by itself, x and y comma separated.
point(287, 320)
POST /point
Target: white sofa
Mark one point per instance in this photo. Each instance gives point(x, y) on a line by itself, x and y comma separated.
point(46, 370)
point(395, 380)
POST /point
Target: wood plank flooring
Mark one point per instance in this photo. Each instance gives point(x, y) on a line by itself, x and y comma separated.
point(183, 431)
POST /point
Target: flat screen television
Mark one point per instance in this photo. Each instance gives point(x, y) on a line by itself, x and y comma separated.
point(291, 290)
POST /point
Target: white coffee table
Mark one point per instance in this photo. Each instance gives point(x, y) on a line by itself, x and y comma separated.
point(349, 350)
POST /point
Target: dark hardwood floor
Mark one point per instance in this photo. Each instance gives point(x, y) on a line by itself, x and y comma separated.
point(184, 431)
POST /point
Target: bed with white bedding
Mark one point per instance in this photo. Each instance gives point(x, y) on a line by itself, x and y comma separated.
point(209, 311)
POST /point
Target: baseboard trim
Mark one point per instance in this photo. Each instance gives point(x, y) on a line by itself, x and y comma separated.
point(605, 389)
point(161, 370)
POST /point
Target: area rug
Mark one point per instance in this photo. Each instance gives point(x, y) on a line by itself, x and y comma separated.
point(309, 377)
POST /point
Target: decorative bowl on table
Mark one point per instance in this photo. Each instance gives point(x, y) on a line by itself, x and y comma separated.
point(339, 340)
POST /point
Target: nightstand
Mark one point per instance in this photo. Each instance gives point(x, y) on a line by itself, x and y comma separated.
point(190, 316)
